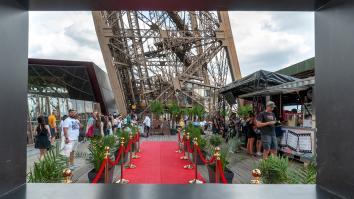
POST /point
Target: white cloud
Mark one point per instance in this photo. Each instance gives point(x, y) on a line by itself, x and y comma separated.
point(264, 40)
point(64, 35)
point(272, 40)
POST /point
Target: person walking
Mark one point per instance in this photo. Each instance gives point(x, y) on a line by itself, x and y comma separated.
point(266, 123)
point(147, 124)
point(71, 127)
point(42, 138)
point(53, 126)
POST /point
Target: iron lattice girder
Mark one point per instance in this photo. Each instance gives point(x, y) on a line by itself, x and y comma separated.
point(157, 54)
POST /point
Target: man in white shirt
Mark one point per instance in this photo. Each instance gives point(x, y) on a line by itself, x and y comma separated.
point(147, 124)
point(71, 127)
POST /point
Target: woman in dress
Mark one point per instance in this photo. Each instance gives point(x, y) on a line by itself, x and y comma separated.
point(43, 137)
point(251, 133)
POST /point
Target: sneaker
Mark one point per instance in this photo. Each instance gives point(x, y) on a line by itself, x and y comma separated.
point(259, 154)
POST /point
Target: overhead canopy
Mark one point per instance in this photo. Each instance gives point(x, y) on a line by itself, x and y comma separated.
point(254, 82)
point(295, 86)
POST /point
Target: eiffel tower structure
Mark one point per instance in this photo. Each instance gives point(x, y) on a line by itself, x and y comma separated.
point(181, 56)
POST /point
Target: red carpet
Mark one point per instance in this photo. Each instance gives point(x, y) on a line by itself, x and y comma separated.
point(159, 164)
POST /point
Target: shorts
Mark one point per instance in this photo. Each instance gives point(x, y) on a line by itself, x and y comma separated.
point(52, 132)
point(269, 142)
point(69, 147)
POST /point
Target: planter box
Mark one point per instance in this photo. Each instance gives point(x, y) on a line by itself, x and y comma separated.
point(229, 175)
point(92, 175)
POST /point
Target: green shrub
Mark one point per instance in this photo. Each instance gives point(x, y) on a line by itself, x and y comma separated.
point(50, 169)
point(215, 140)
point(274, 170)
point(97, 151)
point(243, 111)
point(304, 175)
point(157, 107)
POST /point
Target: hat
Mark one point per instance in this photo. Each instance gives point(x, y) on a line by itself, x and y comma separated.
point(271, 104)
point(71, 110)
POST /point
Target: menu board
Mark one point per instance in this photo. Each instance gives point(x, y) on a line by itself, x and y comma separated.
point(297, 141)
point(305, 143)
point(292, 140)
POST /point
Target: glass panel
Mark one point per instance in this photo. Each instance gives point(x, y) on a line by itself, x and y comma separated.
point(53, 103)
point(33, 107)
point(72, 104)
point(88, 107)
point(63, 106)
point(80, 106)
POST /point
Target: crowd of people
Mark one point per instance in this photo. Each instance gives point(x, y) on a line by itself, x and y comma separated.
point(259, 131)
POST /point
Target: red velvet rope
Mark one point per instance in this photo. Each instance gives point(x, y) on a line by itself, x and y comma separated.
point(188, 146)
point(121, 149)
point(100, 171)
point(203, 159)
point(221, 172)
point(128, 147)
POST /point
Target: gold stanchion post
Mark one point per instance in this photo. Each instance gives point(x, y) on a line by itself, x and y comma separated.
point(106, 171)
point(67, 174)
point(256, 173)
point(184, 157)
point(195, 180)
point(122, 180)
point(187, 155)
point(179, 143)
point(131, 165)
point(136, 149)
point(217, 158)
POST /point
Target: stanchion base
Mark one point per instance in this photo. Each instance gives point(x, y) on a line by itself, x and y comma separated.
point(189, 166)
point(122, 181)
point(131, 166)
point(135, 156)
point(195, 181)
point(184, 158)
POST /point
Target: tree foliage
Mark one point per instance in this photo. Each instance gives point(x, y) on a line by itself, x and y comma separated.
point(157, 107)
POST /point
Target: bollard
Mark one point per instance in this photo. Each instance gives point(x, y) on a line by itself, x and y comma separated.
point(106, 169)
point(187, 155)
point(256, 173)
point(122, 180)
point(195, 180)
point(67, 176)
point(217, 157)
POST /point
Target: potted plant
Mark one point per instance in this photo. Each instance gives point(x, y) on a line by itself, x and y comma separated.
point(195, 132)
point(50, 169)
point(274, 170)
point(97, 154)
point(174, 110)
point(216, 141)
point(157, 109)
point(122, 134)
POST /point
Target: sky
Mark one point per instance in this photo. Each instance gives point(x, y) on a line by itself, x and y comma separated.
point(264, 40)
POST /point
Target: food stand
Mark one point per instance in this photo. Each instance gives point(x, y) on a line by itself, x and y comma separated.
point(295, 108)
point(299, 124)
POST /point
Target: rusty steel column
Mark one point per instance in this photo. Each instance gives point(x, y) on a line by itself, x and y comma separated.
point(116, 84)
point(230, 45)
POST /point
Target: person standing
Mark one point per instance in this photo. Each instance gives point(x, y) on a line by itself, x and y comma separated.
point(42, 138)
point(147, 124)
point(266, 123)
point(71, 129)
point(110, 125)
point(53, 126)
point(251, 133)
point(62, 144)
